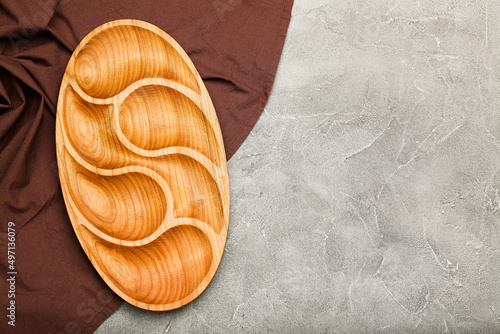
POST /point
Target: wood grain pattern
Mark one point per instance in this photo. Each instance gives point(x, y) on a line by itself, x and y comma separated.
point(142, 165)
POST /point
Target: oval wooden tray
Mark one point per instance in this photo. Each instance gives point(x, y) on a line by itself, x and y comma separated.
point(142, 165)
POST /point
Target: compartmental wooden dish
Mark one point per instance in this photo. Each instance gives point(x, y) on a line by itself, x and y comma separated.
point(142, 165)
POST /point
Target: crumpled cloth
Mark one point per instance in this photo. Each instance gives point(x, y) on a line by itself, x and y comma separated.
point(235, 45)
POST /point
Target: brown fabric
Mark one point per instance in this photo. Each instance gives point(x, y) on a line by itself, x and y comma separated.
point(235, 44)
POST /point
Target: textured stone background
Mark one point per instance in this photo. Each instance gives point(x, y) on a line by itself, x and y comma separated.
point(367, 197)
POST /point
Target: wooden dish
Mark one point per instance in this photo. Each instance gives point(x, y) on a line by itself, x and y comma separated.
point(142, 165)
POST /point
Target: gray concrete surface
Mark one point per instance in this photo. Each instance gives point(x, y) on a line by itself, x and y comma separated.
point(366, 200)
